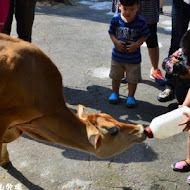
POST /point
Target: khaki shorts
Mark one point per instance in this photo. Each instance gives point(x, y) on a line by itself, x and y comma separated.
point(133, 72)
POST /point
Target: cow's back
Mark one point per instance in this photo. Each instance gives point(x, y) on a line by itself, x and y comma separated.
point(30, 84)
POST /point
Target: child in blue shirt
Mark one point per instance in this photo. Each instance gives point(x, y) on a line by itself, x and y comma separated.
point(128, 31)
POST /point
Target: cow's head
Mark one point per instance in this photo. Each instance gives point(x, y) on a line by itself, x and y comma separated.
point(108, 136)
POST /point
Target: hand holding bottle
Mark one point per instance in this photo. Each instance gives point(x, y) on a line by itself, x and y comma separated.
point(186, 121)
point(169, 124)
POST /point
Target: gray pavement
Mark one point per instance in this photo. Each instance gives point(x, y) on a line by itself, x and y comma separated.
point(76, 39)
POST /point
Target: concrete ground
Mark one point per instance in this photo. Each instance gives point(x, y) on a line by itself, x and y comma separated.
point(76, 39)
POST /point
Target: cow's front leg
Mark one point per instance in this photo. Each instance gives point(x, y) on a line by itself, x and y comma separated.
point(2, 132)
point(11, 134)
point(4, 155)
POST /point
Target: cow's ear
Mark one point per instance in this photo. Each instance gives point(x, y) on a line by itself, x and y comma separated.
point(95, 141)
point(93, 133)
point(80, 111)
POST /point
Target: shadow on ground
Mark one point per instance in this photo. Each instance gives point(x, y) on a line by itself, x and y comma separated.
point(137, 153)
point(95, 97)
point(21, 178)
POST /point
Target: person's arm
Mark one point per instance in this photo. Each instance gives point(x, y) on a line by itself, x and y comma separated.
point(175, 60)
point(187, 99)
point(120, 45)
point(187, 120)
point(134, 45)
point(144, 34)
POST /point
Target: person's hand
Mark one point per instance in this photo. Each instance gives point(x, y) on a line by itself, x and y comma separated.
point(186, 122)
point(132, 46)
point(177, 53)
point(120, 46)
point(174, 60)
point(175, 56)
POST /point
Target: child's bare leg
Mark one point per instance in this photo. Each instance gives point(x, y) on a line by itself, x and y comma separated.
point(188, 151)
point(132, 89)
point(131, 102)
point(115, 86)
point(184, 165)
point(188, 148)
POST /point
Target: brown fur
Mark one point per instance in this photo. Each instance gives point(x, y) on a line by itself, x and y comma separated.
point(32, 102)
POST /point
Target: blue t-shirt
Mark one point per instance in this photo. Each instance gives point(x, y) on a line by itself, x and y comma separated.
point(131, 31)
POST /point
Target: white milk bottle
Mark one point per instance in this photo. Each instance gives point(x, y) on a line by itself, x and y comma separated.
point(166, 125)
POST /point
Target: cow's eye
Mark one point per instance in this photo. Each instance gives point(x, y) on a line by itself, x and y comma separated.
point(114, 130)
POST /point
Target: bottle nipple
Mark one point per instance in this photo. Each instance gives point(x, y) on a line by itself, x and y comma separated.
point(148, 132)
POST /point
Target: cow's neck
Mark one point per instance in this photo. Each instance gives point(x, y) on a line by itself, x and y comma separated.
point(75, 129)
point(63, 128)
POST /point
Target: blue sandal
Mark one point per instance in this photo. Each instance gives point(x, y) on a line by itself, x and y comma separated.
point(131, 102)
point(114, 98)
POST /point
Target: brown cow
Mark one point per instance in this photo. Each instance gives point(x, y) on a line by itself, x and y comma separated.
point(32, 102)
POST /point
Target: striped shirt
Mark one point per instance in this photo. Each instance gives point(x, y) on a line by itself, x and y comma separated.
point(131, 31)
point(149, 9)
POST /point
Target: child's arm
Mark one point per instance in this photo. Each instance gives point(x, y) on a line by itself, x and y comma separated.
point(187, 120)
point(134, 45)
point(187, 100)
point(120, 45)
